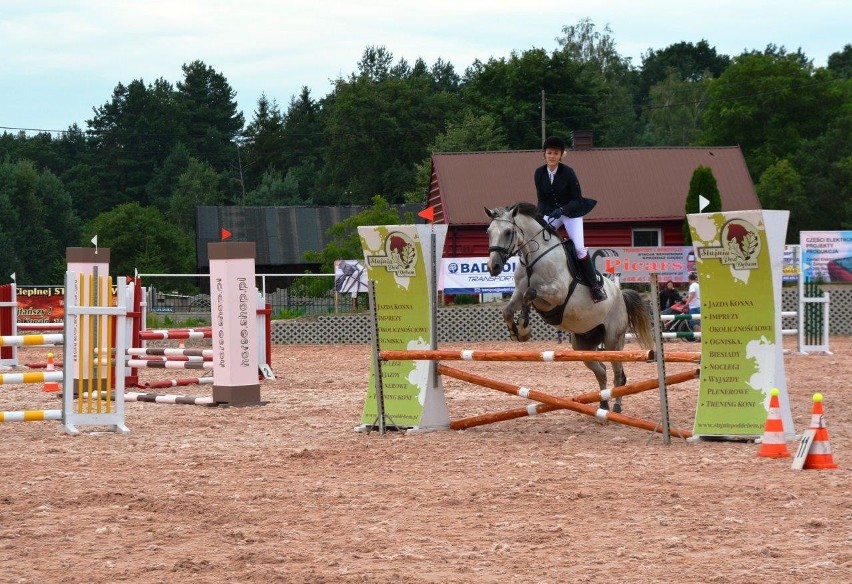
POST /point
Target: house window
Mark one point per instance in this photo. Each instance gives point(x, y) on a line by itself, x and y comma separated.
point(647, 237)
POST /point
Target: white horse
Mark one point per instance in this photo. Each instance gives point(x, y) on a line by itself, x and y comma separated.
point(546, 279)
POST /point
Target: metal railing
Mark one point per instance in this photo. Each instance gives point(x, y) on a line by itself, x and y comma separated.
point(303, 295)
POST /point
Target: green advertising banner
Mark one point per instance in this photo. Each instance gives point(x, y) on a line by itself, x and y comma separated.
point(739, 258)
point(399, 260)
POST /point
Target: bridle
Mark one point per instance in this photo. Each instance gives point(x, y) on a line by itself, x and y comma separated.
point(511, 248)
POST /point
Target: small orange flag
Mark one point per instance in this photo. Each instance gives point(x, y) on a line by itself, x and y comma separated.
point(225, 234)
point(428, 214)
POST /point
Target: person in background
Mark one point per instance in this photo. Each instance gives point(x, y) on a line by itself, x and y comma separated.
point(669, 296)
point(693, 299)
point(562, 203)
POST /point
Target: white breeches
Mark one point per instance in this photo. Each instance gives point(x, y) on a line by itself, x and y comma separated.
point(574, 228)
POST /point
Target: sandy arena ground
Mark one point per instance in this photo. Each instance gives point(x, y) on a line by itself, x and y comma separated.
point(288, 492)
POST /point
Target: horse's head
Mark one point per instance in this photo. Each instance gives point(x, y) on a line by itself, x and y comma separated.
point(503, 240)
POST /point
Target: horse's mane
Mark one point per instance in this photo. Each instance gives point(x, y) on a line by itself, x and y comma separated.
point(528, 209)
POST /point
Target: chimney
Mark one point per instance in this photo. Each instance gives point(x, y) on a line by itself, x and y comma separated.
point(582, 140)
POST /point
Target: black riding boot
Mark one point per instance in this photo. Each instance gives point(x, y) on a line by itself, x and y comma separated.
point(595, 287)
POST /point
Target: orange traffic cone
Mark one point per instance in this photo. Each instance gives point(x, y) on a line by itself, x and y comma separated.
point(773, 445)
point(50, 385)
point(819, 455)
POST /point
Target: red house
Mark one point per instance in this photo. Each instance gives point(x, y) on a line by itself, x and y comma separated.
point(641, 192)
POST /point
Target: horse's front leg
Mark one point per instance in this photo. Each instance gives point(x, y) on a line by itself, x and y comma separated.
point(599, 369)
point(519, 329)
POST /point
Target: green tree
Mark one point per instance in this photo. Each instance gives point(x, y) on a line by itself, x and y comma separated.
point(683, 60)
point(198, 186)
point(38, 224)
point(160, 188)
point(673, 114)
point(209, 105)
point(131, 136)
point(378, 124)
point(41, 150)
point(840, 63)
point(142, 239)
point(768, 103)
point(303, 143)
point(470, 134)
point(473, 133)
point(605, 68)
point(702, 184)
point(825, 165)
point(344, 243)
point(275, 190)
point(781, 187)
point(509, 90)
point(264, 143)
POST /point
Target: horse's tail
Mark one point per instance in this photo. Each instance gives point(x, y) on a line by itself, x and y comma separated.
point(638, 318)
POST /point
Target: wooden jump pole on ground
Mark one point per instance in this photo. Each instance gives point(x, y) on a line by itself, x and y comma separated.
point(564, 403)
point(546, 356)
point(541, 408)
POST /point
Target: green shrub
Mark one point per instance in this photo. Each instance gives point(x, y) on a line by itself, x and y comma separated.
point(155, 321)
point(287, 313)
point(466, 299)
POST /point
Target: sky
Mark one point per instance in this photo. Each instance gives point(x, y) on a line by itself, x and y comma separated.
point(62, 58)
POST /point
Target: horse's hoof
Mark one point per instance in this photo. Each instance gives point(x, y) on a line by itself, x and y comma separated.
point(604, 405)
point(524, 338)
point(617, 408)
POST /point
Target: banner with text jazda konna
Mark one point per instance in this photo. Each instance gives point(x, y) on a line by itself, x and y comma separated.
point(399, 260)
point(739, 257)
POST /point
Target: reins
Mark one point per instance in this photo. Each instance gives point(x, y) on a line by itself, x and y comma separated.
point(511, 248)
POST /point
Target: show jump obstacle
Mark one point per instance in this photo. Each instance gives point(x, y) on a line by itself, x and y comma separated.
point(96, 315)
point(237, 351)
point(95, 308)
point(234, 305)
point(406, 384)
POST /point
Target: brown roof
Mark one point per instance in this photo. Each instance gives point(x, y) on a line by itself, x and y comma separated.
point(629, 183)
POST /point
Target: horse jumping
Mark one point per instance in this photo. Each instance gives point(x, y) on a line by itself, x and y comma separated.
point(546, 279)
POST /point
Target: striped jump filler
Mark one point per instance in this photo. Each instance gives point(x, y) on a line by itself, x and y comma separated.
point(30, 377)
point(31, 340)
point(31, 416)
point(170, 352)
point(143, 364)
point(166, 383)
point(169, 399)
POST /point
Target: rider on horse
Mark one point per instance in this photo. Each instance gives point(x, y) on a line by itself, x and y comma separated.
point(562, 203)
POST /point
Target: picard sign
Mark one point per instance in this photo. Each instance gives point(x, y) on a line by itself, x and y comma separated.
point(636, 264)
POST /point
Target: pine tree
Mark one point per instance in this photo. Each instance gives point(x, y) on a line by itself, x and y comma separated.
point(702, 184)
